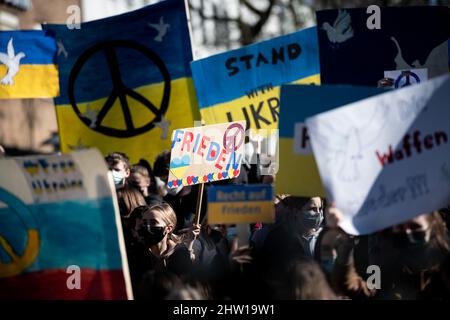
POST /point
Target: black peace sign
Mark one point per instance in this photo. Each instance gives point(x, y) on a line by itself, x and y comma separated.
point(120, 90)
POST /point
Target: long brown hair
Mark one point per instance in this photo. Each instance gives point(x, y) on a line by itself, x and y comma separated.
point(439, 236)
point(129, 198)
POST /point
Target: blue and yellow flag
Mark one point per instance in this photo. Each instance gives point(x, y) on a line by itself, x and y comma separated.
point(126, 81)
point(28, 65)
point(244, 84)
point(298, 174)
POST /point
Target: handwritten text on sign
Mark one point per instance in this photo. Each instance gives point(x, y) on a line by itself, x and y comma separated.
point(206, 154)
point(383, 159)
point(53, 178)
point(240, 204)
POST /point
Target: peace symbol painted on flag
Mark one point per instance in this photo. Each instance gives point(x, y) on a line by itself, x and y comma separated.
point(120, 90)
point(229, 138)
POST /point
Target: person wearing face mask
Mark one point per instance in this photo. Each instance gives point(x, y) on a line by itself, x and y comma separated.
point(409, 255)
point(156, 247)
point(119, 165)
point(294, 235)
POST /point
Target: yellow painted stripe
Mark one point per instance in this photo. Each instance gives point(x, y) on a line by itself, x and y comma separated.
point(298, 174)
point(181, 113)
point(32, 81)
point(218, 113)
point(257, 211)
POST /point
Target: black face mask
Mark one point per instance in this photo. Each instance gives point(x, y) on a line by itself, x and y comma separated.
point(412, 248)
point(152, 235)
point(415, 239)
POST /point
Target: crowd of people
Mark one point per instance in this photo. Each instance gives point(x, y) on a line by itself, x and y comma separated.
point(302, 255)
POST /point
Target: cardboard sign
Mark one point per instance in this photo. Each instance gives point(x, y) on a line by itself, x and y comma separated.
point(60, 235)
point(244, 84)
point(386, 159)
point(241, 204)
point(206, 154)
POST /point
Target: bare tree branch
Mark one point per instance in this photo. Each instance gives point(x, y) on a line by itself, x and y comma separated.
point(256, 29)
point(215, 17)
point(251, 7)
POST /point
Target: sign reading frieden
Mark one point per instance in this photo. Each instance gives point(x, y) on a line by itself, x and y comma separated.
point(206, 154)
point(241, 204)
point(386, 159)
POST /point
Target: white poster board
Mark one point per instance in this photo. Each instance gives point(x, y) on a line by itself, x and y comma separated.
point(386, 159)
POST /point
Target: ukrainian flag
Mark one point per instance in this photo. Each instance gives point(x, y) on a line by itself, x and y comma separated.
point(28, 65)
point(244, 84)
point(126, 81)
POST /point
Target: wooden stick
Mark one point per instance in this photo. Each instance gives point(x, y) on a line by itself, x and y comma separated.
point(199, 204)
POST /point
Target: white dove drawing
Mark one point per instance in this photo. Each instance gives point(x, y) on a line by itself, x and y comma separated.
point(161, 27)
point(12, 62)
point(436, 62)
point(349, 144)
point(91, 115)
point(164, 125)
point(341, 30)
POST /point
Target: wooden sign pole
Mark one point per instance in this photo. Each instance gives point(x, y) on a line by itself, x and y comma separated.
point(198, 209)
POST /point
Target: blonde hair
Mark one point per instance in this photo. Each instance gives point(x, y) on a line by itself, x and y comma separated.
point(140, 170)
point(168, 216)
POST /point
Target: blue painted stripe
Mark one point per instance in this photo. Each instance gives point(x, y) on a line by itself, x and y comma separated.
point(213, 81)
point(83, 233)
point(240, 193)
point(94, 81)
point(38, 47)
point(299, 102)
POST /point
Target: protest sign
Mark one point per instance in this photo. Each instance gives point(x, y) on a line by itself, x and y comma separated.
point(385, 159)
point(60, 236)
point(404, 78)
point(240, 204)
point(206, 153)
point(298, 174)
